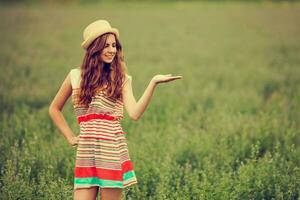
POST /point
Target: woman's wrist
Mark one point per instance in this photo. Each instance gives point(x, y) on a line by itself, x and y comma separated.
point(70, 139)
point(73, 141)
point(153, 82)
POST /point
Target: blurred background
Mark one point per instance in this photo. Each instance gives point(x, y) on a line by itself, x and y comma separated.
point(229, 129)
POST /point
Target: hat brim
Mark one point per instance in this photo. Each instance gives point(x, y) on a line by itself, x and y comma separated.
point(93, 36)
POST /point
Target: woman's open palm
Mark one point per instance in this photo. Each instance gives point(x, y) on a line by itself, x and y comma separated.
point(165, 78)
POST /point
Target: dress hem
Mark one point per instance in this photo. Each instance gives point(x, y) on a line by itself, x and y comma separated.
point(97, 185)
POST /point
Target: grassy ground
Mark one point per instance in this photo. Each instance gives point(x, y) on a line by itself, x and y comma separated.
point(228, 130)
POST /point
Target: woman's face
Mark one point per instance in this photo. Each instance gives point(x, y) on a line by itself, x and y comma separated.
point(110, 49)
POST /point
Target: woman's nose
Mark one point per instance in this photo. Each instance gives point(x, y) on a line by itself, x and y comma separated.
point(111, 49)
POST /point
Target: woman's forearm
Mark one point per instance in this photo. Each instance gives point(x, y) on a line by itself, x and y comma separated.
point(61, 123)
point(143, 102)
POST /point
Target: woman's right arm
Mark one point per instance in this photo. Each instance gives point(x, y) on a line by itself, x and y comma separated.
point(135, 108)
point(56, 107)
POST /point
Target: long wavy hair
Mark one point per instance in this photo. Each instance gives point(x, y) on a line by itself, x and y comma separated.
point(97, 75)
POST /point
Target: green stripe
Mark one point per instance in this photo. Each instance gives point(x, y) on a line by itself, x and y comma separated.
point(128, 175)
point(97, 181)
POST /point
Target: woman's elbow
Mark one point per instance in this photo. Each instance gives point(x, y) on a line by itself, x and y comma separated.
point(51, 110)
point(134, 117)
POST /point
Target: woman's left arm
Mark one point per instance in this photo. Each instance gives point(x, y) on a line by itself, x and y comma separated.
point(135, 108)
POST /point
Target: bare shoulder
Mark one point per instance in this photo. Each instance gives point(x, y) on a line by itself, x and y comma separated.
point(126, 79)
point(128, 76)
point(76, 70)
point(75, 75)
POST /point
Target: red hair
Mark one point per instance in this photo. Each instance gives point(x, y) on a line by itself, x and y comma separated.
point(99, 76)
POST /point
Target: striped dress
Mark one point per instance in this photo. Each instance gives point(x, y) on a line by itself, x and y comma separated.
point(102, 157)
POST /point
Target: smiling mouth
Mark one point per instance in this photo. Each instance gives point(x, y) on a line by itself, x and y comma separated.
point(110, 57)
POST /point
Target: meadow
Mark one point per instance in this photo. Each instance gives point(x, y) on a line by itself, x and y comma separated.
point(230, 129)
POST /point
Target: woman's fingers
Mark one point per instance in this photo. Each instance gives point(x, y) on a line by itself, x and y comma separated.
point(175, 77)
point(170, 78)
point(165, 78)
point(75, 142)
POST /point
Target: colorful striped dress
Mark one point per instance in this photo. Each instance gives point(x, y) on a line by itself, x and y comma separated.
point(102, 157)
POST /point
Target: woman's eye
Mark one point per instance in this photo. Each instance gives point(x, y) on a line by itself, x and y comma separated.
point(107, 45)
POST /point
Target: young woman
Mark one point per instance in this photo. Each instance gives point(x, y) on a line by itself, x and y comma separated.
point(100, 88)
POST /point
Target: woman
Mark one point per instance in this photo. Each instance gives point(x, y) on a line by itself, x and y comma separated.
point(99, 89)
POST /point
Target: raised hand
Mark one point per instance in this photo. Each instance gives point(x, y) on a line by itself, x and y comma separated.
point(164, 78)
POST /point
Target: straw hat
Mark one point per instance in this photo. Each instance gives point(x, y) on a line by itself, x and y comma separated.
point(96, 29)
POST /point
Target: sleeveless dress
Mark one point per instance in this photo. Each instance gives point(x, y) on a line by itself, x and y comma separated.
point(102, 157)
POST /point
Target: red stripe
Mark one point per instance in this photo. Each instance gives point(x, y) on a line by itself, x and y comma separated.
point(109, 174)
point(100, 129)
point(97, 138)
point(103, 152)
point(127, 166)
point(95, 124)
point(95, 116)
point(108, 134)
point(105, 145)
point(84, 172)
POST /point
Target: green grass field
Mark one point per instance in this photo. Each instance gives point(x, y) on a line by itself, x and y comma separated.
point(230, 129)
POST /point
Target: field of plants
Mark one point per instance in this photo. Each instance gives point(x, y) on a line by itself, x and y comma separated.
point(230, 129)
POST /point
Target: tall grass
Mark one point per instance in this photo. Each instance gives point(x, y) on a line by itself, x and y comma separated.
point(228, 130)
